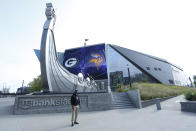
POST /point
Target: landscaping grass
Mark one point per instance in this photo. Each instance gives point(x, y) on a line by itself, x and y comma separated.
point(151, 90)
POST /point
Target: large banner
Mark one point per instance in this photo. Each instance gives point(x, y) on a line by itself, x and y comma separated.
point(90, 61)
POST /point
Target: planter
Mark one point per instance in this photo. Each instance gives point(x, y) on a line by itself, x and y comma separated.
point(188, 106)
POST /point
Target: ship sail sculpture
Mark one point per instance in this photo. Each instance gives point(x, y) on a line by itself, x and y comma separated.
point(55, 77)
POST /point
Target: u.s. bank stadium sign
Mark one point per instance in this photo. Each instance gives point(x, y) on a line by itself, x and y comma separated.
point(47, 102)
point(56, 103)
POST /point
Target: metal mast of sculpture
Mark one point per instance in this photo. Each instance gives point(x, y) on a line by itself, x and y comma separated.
point(55, 77)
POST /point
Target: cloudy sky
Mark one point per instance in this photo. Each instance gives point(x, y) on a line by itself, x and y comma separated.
point(163, 28)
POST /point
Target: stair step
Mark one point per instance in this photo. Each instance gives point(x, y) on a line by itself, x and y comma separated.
point(119, 108)
point(128, 101)
point(121, 100)
point(122, 105)
point(120, 95)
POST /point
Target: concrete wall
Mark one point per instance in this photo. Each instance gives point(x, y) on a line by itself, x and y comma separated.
point(152, 102)
point(134, 95)
point(35, 104)
point(189, 106)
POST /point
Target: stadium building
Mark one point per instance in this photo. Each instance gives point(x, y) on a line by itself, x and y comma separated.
point(110, 65)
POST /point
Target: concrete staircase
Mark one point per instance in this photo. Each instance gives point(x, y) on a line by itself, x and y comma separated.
point(121, 101)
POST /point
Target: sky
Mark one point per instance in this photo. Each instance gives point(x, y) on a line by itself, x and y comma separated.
point(166, 29)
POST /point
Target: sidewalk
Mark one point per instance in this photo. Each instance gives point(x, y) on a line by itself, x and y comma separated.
point(170, 118)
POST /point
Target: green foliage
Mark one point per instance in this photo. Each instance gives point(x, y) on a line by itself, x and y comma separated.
point(36, 84)
point(151, 90)
point(123, 88)
point(144, 80)
point(118, 86)
point(194, 78)
point(191, 96)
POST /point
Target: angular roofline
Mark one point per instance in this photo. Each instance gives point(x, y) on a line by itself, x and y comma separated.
point(153, 57)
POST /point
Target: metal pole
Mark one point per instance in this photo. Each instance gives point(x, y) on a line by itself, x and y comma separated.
point(22, 83)
point(85, 42)
point(129, 77)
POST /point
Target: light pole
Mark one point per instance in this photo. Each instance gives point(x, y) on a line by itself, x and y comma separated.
point(85, 42)
point(129, 75)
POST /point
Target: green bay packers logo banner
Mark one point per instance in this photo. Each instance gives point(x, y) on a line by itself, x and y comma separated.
point(71, 62)
point(90, 61)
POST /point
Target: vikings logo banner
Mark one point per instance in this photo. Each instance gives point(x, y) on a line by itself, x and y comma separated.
point(90, 61)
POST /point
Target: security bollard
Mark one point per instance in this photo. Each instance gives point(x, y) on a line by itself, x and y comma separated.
point(157, 102)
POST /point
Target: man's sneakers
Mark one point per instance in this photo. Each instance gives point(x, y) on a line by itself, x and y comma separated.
point(76, 122)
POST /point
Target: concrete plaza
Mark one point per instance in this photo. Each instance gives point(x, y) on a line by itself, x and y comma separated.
point(170, 118)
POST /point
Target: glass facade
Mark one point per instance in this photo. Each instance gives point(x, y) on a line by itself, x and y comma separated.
point(180, 78)
point(120, 68)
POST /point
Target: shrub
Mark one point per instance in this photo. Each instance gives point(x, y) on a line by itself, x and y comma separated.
point(144, 80)
point(153, 90)
point(191, 96)
point(122, 88)
point(118, 86)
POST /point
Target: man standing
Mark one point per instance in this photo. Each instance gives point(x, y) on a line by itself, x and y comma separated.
point(75, 102)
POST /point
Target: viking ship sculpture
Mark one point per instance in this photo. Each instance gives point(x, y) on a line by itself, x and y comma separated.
point(55, 77)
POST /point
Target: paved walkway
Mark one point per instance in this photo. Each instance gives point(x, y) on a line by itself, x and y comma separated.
point(170, 118)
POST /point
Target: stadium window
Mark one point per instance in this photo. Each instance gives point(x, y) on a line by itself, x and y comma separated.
point(148, 68)
point(155, 69)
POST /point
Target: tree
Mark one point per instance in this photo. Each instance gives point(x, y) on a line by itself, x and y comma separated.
point(36, 84)
point(194, 78)
point(6, 90)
